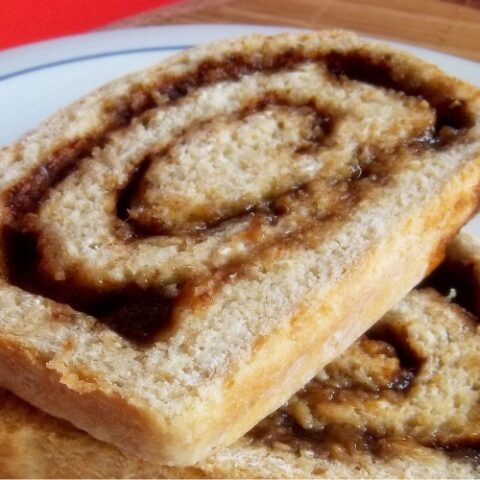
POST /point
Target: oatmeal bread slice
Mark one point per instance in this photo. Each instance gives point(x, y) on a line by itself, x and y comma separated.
point(184, 248)
point(401, 402)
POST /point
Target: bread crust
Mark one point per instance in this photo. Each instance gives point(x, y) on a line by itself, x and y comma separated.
point(375, 257)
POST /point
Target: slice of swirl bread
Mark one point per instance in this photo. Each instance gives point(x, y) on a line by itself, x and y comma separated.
point(184, 248)
point(402, 401)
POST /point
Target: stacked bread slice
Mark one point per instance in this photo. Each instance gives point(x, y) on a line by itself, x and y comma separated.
point(401, 402)
point(185, 248)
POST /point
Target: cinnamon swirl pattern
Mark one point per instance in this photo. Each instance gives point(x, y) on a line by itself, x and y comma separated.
point(206, 168)
point(185, 217)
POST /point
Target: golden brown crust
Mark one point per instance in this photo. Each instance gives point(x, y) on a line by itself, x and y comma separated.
point(247, 299)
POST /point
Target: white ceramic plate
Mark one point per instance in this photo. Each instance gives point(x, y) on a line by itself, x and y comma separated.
point(38, 79)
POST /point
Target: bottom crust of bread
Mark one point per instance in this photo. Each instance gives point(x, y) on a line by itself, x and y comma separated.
point(400, 402)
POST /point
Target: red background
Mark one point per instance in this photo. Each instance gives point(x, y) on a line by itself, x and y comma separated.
point(25, 21)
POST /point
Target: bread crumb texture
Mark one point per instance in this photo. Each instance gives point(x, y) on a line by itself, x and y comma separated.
point(175, 245)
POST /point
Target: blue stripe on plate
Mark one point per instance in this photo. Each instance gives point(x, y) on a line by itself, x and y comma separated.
point(94, 56)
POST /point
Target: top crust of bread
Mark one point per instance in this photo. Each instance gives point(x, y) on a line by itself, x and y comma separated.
point(401, 402)
point(370, 162)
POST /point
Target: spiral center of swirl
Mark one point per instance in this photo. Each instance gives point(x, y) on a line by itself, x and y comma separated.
point(228, 166)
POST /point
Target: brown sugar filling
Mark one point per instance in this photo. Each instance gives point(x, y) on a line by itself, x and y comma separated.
point(409, 359)
point(469, 450)
point(460, 281)
point(140, 315)
point(281, 430)
point(341, 442)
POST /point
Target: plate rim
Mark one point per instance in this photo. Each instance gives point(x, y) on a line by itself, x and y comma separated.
point(24, 54)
